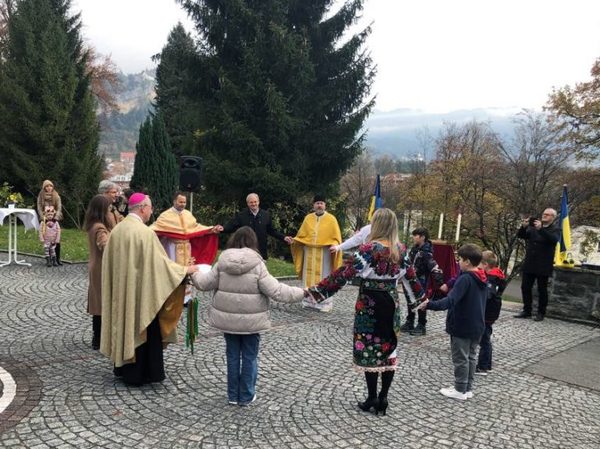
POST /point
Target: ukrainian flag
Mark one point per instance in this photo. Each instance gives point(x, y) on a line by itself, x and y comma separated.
point(376, 201)
point(561, 256)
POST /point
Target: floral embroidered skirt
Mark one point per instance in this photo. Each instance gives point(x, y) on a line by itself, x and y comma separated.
point(376, 328)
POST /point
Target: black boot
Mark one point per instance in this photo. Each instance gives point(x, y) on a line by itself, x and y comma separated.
point(371, 401)
point(408, 326)
point(418, 330)
point(57, 250)
point(48, 262)
point(96, 328)
point(53, 259)
point(382, 402)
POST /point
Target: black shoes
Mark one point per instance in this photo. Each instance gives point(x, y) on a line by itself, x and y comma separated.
point(407, 326)
point(418, 330)
point(48, 262)
point(538, 317)
point(382, 404)
point(379, 405)
point(370, 403)
point(522, 315)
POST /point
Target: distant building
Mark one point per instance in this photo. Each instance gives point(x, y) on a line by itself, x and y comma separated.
point(127, 157)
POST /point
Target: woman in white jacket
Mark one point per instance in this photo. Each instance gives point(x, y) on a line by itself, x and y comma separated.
point(240, 308)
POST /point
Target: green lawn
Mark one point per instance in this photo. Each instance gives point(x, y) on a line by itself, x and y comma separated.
point(74, 248)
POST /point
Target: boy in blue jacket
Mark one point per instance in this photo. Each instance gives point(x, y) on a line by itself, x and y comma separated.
point(465, 320)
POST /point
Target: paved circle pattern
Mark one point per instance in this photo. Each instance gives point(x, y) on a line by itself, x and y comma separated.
point(307, 389)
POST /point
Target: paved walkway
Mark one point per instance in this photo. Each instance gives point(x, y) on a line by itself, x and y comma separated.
point(66, 396)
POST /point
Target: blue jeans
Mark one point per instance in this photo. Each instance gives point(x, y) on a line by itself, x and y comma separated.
point(485, 349)
point(242, 366)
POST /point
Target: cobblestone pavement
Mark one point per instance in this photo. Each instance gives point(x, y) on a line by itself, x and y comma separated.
point(66, 395)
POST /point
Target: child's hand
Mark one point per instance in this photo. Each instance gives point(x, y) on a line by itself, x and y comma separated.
point(423, 305)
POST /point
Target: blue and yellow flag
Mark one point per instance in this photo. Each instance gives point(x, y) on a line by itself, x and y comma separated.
point(562, 256)
point(376, 202)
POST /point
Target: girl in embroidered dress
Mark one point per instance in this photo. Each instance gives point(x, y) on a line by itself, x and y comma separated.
point(380, 263)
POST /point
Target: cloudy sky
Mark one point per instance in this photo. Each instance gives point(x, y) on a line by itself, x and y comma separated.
point(432, 55)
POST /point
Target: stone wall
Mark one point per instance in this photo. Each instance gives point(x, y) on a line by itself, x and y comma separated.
point(575, 294)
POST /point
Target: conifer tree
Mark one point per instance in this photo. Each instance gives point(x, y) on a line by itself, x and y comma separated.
point(48, 127)
point(284, 95)
point(155, 170)
point(175, 91)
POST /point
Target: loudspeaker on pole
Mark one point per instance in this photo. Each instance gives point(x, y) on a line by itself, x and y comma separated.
point(190, 173)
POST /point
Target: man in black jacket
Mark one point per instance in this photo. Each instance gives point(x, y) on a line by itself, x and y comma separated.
point(541, 236)
point(260, 221)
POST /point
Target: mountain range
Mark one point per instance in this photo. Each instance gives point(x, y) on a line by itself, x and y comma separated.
point(401, 133)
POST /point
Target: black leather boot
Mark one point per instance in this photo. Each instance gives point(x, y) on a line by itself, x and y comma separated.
point(408, 326)
point(48, 262)
point(418, 330)
point(57, 251)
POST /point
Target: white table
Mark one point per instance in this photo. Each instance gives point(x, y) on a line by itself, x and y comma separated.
point(30, 220)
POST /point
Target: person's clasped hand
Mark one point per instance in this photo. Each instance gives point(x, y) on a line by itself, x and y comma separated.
point(423, 305)
point(191, 269)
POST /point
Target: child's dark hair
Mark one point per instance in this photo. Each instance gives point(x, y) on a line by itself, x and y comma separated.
point(489, 258)
point(470, 252)
point(421, 231)
point(244, 237)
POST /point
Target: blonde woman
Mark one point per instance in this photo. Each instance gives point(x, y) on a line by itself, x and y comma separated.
point(379, 263)
point(48, 197)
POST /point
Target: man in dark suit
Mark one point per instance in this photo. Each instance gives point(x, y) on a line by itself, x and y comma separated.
point(541, 237)
point(260, 221)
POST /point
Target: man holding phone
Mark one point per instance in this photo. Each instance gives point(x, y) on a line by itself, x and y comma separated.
point(541, 236)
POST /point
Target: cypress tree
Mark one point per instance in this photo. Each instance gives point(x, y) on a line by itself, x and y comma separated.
point(48, 127)
point(155, 171)
point(283, 98)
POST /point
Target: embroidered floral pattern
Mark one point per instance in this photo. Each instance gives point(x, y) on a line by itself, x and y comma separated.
point(380, 274)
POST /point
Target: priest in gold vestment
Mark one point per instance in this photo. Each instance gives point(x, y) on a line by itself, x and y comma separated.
point(142, 297)
point(310, 250)
point(184, 239)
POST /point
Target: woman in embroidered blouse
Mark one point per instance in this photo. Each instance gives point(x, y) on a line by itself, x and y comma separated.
point(380, 263)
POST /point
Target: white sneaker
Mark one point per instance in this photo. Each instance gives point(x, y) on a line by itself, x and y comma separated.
point(451, 392)
point(232, 402)
point(469, 394)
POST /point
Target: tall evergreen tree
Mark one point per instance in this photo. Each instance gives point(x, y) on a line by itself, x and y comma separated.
point(283, 97)
point(48, 127)
point(176, 97)
point(155, 171)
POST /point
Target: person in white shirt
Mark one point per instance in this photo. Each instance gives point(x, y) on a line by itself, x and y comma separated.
point(357, 239)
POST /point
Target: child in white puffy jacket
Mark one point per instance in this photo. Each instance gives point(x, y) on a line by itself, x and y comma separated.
point(240, 308)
